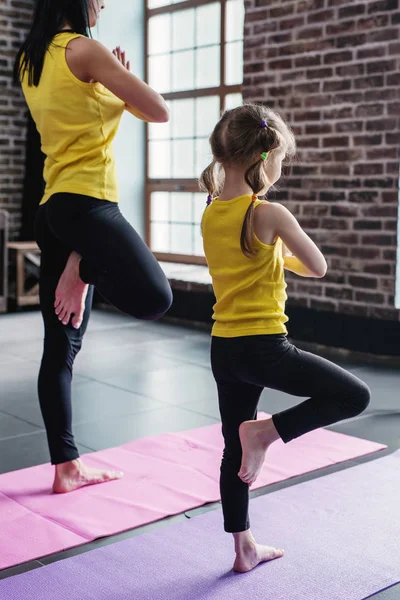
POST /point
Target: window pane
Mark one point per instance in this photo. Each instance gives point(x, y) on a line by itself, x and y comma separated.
point(234, 20)
point(233, 100)
point(207, 115)
point(182, 118)
point(183, 71)
point(160, 34)
point(181, 208)
point(159, 206)
point(160, 160)
point(183, 161)
point(234, 63)
point(203, 155)
point(198, 241)
point(181, 239)
point(183, 29)
point(160, 73)
point(208, 67)
point(157, 3)
point(200, 203)
point(208, 25)
point(160, 234)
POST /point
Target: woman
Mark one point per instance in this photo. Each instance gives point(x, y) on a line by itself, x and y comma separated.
point(77, 92)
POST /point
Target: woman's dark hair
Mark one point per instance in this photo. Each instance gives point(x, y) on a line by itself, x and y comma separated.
point(49, 18)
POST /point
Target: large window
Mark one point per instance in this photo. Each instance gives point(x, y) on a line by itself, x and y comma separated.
point(195, 59)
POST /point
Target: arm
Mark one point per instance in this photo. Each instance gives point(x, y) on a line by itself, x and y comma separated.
point(98, 64)
point(306, 260)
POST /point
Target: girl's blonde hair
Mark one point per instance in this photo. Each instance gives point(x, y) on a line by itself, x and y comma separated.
point(240, 137)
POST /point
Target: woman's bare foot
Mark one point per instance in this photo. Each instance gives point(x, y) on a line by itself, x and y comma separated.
point(255, 437)
point(71, 293)
point(249, 554)
point(75, 474)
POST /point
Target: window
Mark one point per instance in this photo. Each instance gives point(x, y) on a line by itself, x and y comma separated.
point(195, 59)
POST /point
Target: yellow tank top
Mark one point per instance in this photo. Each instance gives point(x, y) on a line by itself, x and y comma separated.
point(77, 123)
point(250, 292)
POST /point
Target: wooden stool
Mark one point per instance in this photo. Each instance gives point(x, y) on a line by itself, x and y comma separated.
point(23, 250)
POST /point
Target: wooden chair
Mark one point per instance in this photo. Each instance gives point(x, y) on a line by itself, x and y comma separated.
point(25, 251)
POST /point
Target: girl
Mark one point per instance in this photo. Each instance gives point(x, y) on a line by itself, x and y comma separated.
point(77, 92)
point(244, 240)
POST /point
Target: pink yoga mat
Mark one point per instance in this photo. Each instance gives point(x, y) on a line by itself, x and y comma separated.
point(164, 475)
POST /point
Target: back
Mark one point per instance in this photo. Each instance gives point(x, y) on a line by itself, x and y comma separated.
point(77, 123)
point(250, 292)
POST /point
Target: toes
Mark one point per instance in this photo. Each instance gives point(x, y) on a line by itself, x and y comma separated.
point(66, 319)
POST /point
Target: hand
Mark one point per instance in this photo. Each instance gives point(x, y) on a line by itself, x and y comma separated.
point(120, 55)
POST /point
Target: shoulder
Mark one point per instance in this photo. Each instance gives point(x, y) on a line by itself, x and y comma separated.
point(271, 213)
point(88, 48)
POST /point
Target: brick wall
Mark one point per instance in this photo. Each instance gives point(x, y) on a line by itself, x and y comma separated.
point(15, 16)
point(332, 68)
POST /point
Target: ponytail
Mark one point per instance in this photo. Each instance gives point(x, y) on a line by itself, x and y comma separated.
point(210, 180)
point(256, 179)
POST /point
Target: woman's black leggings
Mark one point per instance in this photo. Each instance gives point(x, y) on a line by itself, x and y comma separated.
point(117, 262)
point(242, 368)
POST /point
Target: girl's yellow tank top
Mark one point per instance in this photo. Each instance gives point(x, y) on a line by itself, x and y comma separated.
point(77, 123)
point(250, 292)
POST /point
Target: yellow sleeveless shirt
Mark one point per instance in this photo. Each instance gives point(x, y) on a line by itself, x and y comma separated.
point(77, 123)
point(250, 292)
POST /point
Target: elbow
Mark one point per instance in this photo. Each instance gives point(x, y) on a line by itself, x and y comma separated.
point(321, 271)
point(162, 115)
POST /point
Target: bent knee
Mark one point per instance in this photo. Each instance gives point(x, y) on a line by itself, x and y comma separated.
point(361, 397)
point(158, 306)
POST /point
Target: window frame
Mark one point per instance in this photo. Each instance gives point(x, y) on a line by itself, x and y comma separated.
point(223, 90)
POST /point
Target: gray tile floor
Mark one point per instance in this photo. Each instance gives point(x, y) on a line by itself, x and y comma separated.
point(159, 379)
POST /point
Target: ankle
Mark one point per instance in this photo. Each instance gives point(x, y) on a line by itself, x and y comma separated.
point(268, 434)
point(68, 467)
point(244, 541)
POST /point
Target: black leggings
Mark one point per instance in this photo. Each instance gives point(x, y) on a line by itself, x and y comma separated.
point(242, 368)
point(118, 263)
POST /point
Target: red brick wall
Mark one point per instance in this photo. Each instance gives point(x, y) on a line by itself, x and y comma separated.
point(15, 16)
point(332, 68)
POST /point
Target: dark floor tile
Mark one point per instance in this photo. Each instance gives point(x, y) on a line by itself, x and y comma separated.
point(12, 427)
point(19, 569)
point(392, 593)
point(120, 364)
point(179, 385)
point(26, 451)
point(382, 428)
point(93, 400)
point(194, 349)
point(116, 431)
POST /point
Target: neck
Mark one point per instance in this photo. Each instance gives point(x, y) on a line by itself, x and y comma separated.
point(235, 185)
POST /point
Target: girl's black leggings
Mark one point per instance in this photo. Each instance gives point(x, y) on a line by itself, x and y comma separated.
point(118, 263)
point(243, 367)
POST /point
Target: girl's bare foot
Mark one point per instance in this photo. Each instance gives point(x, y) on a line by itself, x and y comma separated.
point(249, 554)
point(75, 474)
point(255, 437)
point(71, 293)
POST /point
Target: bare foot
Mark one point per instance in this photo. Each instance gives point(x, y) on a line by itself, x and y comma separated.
point(255, 437)
point(75, 474)
point(71, 293)
point(253, 555)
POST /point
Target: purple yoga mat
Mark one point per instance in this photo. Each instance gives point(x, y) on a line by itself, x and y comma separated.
point(341, 534)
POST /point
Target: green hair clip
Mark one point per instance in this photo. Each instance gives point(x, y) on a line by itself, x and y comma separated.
point(264, 155)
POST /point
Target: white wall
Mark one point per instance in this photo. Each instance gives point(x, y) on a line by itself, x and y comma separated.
point(122, 24)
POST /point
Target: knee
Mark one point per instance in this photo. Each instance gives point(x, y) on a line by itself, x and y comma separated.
point(361, 397)
point(158, 306)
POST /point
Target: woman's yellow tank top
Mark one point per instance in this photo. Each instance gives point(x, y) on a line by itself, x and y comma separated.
point(77, 123)
point(250, 292)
